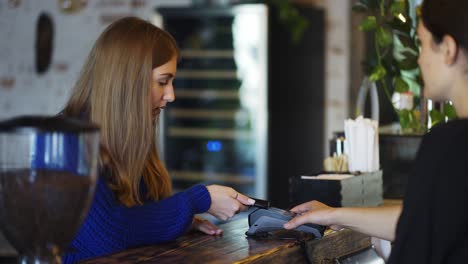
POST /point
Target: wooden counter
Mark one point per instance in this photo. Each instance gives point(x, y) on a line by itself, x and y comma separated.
point(235, 247)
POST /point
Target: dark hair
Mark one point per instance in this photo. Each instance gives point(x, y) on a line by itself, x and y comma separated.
point(447, 17)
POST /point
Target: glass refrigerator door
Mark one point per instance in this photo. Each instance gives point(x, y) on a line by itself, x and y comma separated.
point(215, 131)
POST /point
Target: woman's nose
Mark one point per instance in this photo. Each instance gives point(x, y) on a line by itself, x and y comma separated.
point(169, 95)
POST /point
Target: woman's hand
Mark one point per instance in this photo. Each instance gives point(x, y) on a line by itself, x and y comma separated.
point(374, 221)
point(313, 212)
point(226, 202)
point(205, 226)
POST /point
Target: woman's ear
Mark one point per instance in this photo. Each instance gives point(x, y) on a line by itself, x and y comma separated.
point(449, 48)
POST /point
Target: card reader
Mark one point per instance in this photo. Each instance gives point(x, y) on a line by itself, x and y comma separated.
point(264, 220)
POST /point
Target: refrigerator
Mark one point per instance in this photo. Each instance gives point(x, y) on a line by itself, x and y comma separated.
point(249, 101)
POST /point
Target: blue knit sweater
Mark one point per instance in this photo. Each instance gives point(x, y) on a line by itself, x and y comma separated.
point(111, 227)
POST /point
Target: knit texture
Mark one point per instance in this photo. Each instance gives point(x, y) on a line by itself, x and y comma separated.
point(111, 227)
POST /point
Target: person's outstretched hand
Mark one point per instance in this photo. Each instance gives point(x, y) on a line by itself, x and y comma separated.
point(226, 202)
point(206, 227)
point(313, 212)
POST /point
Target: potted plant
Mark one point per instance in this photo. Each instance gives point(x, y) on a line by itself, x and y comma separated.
point(392, 63)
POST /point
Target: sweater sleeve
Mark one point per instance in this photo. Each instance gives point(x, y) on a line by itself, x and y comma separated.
point(111, 227)
point(167, 219)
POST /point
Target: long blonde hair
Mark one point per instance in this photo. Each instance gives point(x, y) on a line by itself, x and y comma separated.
point(113, 90)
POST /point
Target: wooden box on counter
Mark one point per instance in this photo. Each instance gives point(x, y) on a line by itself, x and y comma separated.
point(338, 190)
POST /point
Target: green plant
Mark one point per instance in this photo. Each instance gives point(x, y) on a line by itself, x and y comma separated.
point(447, 113)
point(393, 62)
point(291, 18)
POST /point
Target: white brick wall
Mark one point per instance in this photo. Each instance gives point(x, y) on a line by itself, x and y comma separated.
point(22, 90)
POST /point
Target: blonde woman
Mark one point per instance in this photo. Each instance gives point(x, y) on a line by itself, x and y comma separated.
point(125, 83)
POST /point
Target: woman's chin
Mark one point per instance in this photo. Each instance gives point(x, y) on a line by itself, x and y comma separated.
point(434, 95)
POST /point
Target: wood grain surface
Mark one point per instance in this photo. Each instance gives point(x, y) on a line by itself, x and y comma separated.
point(235, 247)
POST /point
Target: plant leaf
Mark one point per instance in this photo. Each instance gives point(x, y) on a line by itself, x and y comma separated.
point(409, 120)
point(436, 116)
point(378, 73)
point(410, 55)
point(407, 27)
point(368, 23)
point(384, 37)
point(399, 7)
point(410, 61)
point(406, 39)
point(450, 111)
point(407, 65)
point(404, 117)
point(401, 86)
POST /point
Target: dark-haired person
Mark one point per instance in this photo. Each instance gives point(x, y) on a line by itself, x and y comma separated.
point(433, 225)
point(125, 83)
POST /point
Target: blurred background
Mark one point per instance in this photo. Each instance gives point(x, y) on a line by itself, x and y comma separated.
point(261, 87)
point(300, 86)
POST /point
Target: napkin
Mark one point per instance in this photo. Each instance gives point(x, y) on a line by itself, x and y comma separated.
point(362, 144)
